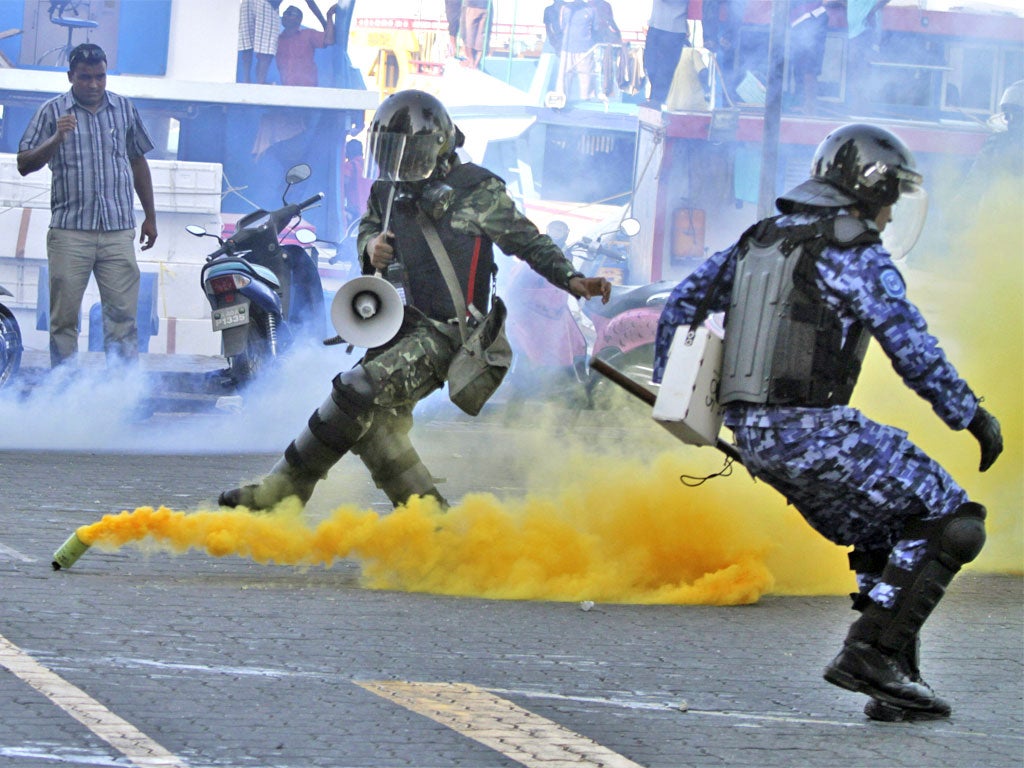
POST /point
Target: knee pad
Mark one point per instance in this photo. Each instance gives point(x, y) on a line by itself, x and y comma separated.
point(357, 382)
point(954, 539)
point(945, 544)
point(863, 560)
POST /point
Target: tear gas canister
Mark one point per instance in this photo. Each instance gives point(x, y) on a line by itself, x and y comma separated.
point(69, 552)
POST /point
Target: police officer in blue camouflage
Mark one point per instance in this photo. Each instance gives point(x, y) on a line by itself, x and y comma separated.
point(413, 141)
point(803, 293)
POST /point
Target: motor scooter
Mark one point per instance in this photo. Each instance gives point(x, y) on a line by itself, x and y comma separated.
point(624, 329)
point(550, 347)
point(555, 342)
point(10, 342)
point(265, 294)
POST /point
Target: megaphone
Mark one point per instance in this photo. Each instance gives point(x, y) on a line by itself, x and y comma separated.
point(367, 311)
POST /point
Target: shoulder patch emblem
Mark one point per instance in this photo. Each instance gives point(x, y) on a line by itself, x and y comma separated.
point(892, 282)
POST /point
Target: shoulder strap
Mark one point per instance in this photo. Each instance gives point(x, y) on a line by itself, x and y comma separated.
point(447, 270)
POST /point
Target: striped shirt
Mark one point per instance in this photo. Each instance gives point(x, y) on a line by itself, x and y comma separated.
point(93, 186)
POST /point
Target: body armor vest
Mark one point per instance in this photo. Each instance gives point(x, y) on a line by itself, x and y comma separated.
point(426, 288)
point(783, 344)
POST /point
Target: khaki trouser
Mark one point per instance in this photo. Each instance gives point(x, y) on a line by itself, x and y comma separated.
point(74, 255)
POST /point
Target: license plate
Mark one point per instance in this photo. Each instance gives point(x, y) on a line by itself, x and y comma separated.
point(230, 317)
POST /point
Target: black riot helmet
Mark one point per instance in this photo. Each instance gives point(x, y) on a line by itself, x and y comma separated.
point(857, 165)
point(411, 135)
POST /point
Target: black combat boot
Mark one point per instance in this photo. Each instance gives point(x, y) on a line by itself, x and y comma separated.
point(864, 668)
point(874, 660)
point(876, 709)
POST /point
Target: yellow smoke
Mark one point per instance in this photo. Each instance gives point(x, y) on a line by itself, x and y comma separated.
point(624, 531)
point(970, 288)
point(620, 527)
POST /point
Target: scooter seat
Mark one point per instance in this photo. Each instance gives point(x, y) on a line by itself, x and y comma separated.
point(75, 23)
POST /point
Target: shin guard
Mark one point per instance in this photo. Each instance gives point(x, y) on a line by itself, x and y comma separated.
point(331, 432)
point(394, 464)
point(922, 565)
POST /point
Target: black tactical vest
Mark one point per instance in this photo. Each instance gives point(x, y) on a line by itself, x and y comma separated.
point(783, 344)
point(472, 256)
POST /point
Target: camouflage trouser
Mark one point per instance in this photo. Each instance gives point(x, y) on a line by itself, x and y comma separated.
point(403, 372)
point(855, 481)
point(410, 367)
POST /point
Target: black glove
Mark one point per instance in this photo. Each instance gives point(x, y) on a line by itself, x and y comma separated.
point(985, 428)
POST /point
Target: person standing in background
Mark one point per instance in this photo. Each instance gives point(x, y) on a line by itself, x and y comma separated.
point(258, 25)
point(862, 29)
point(475, 24)
point(96, 145)
point(577, 20)
point(609, 39)
point(722, 21)
point(666, 36)
point(452, 14)
point(999, 165)
point(808, 30)
point(553, 32)
point(297, 45)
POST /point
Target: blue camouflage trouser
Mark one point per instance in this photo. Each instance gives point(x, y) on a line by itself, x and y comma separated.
point(855, 481)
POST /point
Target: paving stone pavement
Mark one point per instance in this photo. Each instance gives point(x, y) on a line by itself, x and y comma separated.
point(226, 662)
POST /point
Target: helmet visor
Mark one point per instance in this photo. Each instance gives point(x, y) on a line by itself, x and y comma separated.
point(398, 157)
point(908, 215)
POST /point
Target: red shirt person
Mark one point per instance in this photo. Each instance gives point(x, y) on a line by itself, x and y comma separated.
point(297, 45)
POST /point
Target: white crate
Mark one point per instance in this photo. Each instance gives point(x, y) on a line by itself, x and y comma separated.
point(178, 186)
point(17, 191)
point(182, 187)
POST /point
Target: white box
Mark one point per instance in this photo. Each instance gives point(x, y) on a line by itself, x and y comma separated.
point(687, 403)
point(178, 186)
point(186, 187)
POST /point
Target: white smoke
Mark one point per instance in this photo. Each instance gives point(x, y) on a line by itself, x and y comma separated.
point(111, 409)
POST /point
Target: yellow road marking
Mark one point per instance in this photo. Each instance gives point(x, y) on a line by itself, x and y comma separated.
point(517, 733)
point(117, 732)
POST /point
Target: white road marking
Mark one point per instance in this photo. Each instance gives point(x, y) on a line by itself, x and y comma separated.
point(13, 554)
point(140, 750)
point(741, 716)
point(516, 733)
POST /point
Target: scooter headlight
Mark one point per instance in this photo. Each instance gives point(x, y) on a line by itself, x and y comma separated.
point(226, 284)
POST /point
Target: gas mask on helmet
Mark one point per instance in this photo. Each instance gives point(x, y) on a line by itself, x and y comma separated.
point(433, 196)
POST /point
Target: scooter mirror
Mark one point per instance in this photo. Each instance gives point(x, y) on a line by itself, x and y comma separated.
point(298, 173)
point(195, 229)
point(630, 227)
point(305, 236)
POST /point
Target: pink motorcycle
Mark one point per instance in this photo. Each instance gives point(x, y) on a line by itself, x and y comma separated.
point(554, 341)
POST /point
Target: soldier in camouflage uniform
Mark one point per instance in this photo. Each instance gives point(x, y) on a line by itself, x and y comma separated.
point(803, 293)
point(413, 143)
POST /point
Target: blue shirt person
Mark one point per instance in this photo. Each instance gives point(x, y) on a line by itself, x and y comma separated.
point(95, 145)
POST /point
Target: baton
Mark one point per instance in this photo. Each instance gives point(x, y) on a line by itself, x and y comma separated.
point(641, 392)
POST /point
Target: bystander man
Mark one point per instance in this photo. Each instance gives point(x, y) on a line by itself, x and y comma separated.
point(95, 145)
